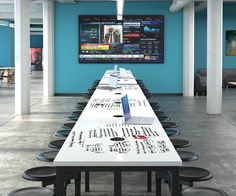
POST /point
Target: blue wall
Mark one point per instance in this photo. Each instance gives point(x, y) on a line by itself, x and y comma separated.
point(72, 77)
point(229, 23)
point(6, 46)
point(36, 41)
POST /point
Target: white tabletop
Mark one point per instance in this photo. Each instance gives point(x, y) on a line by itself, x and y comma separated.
point(126, 78)
point(90, 144)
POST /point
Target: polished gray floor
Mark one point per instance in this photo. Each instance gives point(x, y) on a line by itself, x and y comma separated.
point(23, 137)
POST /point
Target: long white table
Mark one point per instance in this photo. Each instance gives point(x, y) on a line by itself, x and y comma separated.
point(100, 140)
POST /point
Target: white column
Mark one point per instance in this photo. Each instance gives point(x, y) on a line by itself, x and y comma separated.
point(22, 57)
point(214, 56)
point(188, 50)
point(48, 48)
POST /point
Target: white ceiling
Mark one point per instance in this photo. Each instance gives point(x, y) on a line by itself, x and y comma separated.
point(7, 8)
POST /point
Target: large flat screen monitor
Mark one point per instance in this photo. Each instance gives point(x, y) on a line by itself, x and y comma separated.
point(135, 39)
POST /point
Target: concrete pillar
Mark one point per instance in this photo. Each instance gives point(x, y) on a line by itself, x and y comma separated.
point(48, 48)
point(188, 50)
point(22, 56)
point(214, 56)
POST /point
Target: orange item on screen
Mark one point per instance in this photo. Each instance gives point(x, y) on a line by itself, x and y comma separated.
point(95, 47)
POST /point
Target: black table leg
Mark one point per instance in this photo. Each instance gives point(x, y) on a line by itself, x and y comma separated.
point(117, 183)
point(149, 181)
point(175, 181)
point(86, 181)
point(158, 184)
point(60, 181)
point(78, 184)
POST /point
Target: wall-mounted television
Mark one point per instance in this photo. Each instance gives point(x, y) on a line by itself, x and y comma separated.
point(135, 39)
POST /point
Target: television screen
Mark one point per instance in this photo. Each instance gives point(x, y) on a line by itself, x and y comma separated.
point(135, 39)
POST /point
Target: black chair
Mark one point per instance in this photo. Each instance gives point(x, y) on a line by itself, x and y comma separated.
point(169, 124)
point(156, 108)
point(87, 95)
point(32, 191)
point(162, 117)
point(78, 112)
point(189, 175)
point(62, 133)
point(83, 103)
point(202, 191)
point(154, 103)
point(47, 156)
point(159, 112)
point(73, 117)
point(46, 175)
point(187, 156)
point(180, 143)
point(172, 132)
point(68, 125)
point(56, 144)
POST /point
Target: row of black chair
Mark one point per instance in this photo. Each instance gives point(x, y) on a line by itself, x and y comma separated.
point(47, 174)
point(187, 175)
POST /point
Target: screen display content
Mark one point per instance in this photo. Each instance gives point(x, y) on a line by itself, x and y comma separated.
point(136, 39)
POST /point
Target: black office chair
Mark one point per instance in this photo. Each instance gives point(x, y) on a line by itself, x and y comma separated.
point(189, 175)
point(46, 175)
point(73, 118)
point(172, 132)
point(203, 191)
point(180, 143)
point(32, 191)
point(169, 124)
point(163, 117)
point(62, 133)
point(187, 156)
point(68, 125)
point(47, 156)
point(56, 144)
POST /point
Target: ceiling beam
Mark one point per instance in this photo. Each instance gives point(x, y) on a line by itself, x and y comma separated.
point(201, 6)
point(120, 9)
point(178, 5)
point(66, 1)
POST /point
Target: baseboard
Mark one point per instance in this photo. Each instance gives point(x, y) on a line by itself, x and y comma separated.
point(167, 94)
point(81, 94)
point(69, 94)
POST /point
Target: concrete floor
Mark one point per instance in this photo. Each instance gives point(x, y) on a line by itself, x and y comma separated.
point(23, 137)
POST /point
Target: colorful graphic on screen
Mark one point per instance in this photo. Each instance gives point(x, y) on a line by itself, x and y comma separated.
point(136, 39)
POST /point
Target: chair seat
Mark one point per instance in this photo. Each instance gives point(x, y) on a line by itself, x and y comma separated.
point(169, 125)
point(172, 132)
point(158, 112)
point(68, 125)
point(156, 108)
point(40, 174)
point(78, 113)
point(162, 117)
point(154, 104)
point(47, 156)
point(56, 144)
point(73, 117)
point(82, 104)
point(180, 143)
point(187, 156)
point(203, 191)
point(32, 191)
point(194, 174)
point(62, 133)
